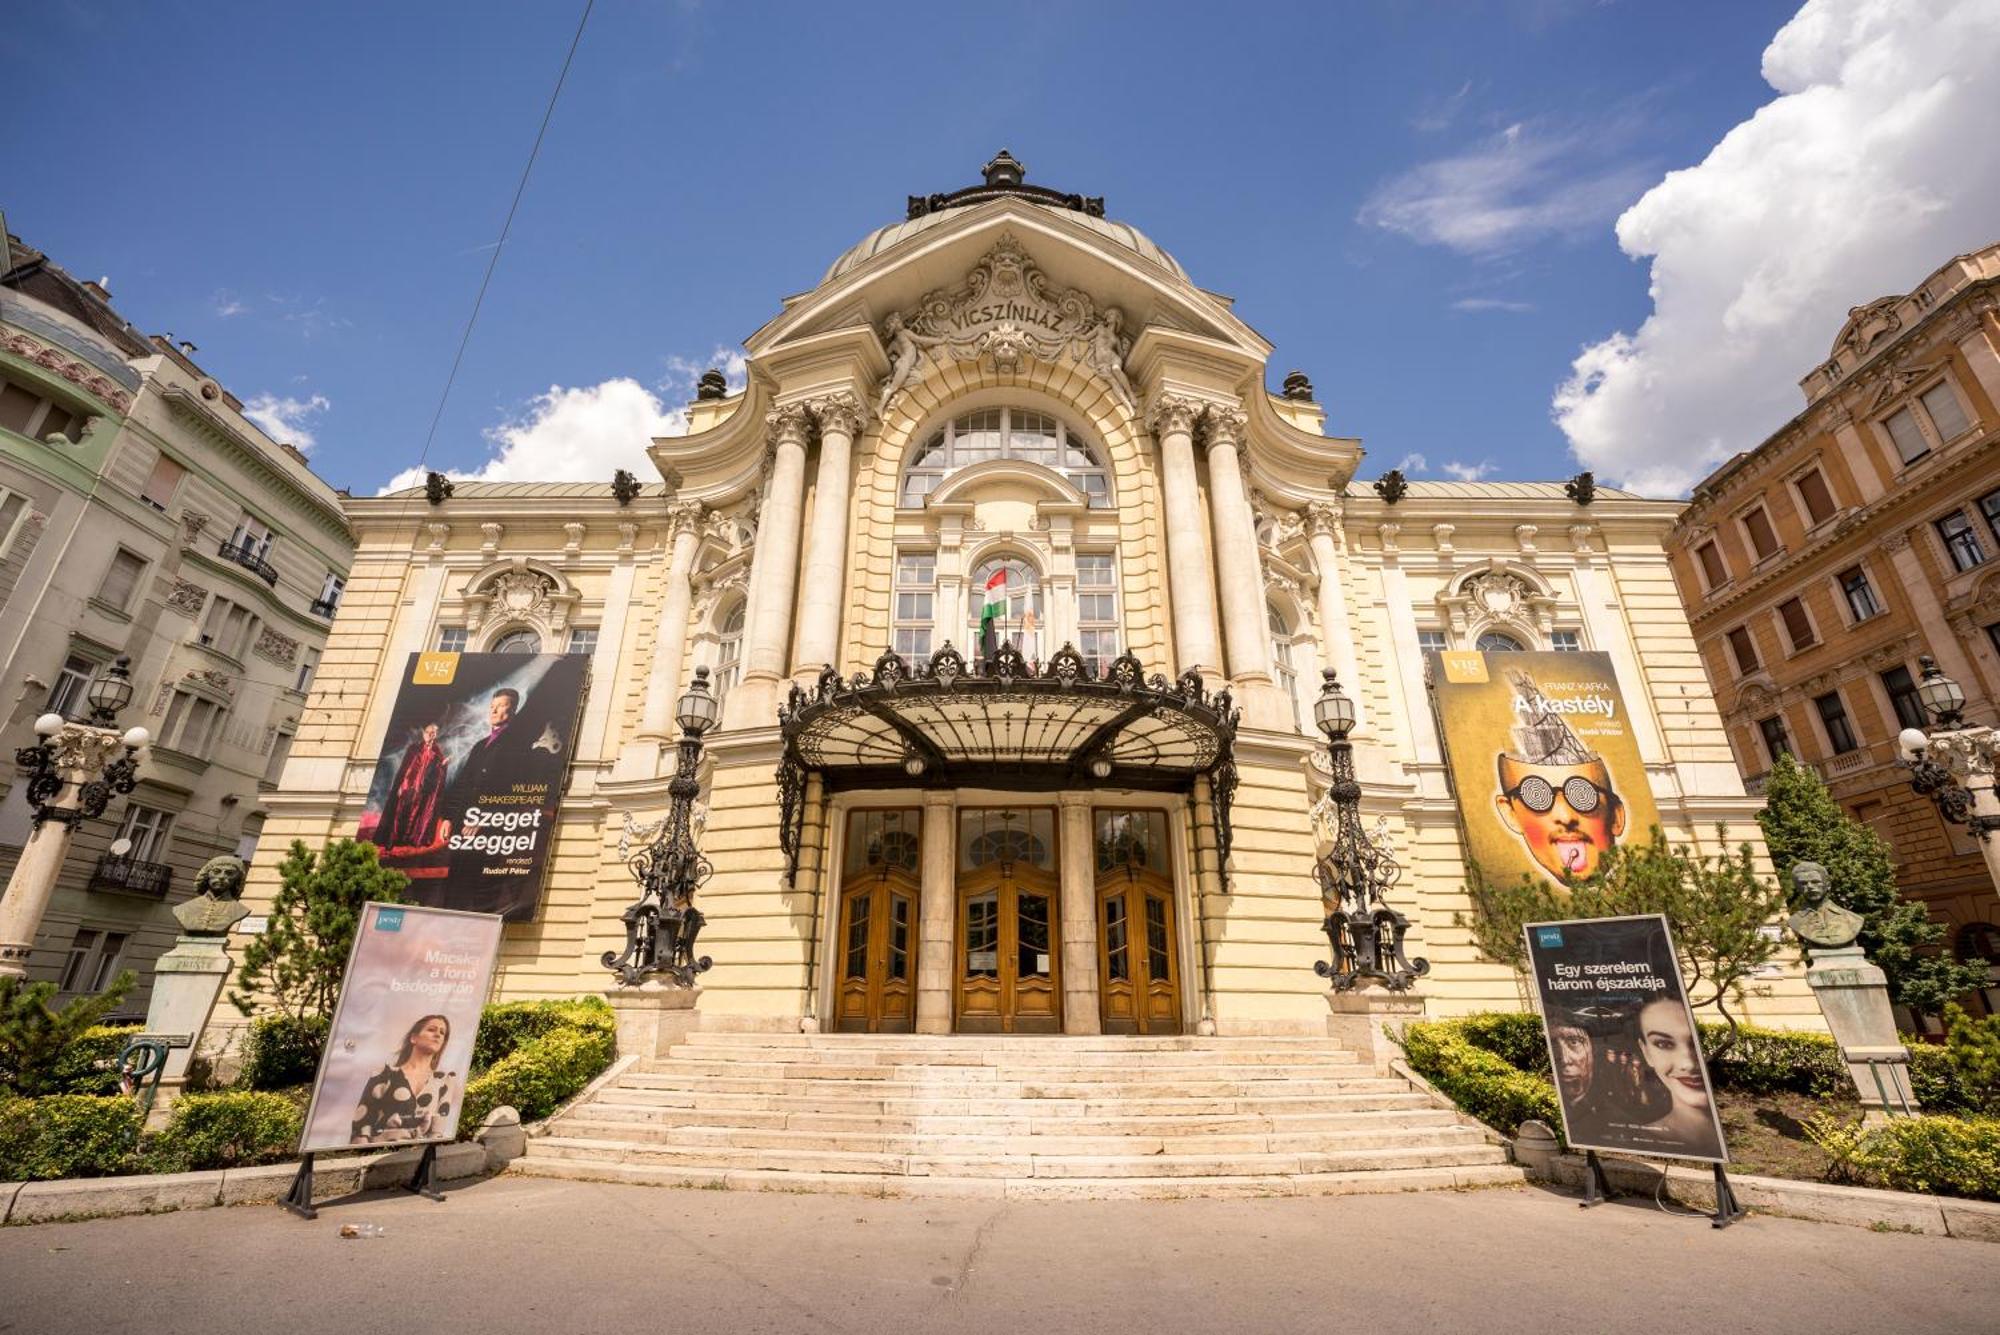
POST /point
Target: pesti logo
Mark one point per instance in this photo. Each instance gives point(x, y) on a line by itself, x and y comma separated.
point(388, 920)
point(1549, 938)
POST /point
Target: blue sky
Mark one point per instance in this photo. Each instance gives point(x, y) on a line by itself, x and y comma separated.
point(1414, 201)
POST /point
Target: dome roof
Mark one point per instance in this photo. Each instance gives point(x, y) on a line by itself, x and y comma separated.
point(1003, 181)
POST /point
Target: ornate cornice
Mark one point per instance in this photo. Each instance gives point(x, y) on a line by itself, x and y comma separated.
point(78, 373)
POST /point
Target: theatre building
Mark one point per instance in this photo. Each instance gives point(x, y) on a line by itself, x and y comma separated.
point(1017, 582)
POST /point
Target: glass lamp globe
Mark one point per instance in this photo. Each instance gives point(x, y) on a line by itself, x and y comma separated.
point(48, 725)
point(1942, 697)
point(136, 737)
point(110, 690)
point(1910, 743)
point(1333, 711)
point(698, 709)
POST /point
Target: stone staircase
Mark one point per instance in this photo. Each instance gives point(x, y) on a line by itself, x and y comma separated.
point(1019, 1117)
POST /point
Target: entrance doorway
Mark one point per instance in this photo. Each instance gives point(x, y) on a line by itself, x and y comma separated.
point(878, 923)
point(1138, 966)
point(1008, 971)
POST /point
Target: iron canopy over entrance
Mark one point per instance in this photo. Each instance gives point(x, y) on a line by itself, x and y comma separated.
point(1003, 723)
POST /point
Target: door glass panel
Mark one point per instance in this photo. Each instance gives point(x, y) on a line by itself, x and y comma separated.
point(899, 937)
point(857, 937)
point(1156, 939)
point(1117, 955)
point(982, 936)
point(1032, 913)
point(1131, 839)
point(879, 839)
point(1025, 838)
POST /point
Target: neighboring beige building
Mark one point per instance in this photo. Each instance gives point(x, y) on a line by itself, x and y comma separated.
point(1007, 381)
point(1820, 566)
point(142, 515)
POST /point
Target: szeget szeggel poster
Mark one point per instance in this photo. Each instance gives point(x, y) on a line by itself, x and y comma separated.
point(401, 1042)
point(1623, 1047)
point(465, 796)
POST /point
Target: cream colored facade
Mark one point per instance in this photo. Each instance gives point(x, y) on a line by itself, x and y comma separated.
point(1218, 518)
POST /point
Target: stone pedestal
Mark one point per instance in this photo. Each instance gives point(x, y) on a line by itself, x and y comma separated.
point(652, 1017)
point(1364, 1019)
point(186, 981)
point(1854, 996)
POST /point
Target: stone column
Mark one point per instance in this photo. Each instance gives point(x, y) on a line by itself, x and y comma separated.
point(1323, 528)
point(1188, 573)
point(1239, 571)
point(937, 915)
point(1082, 1009)
point(774, 573)
point(81, 753)
point(839, 417)
point(663, 673)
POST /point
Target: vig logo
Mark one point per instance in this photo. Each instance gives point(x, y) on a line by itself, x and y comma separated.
point(1549, 938)
point(388, 920)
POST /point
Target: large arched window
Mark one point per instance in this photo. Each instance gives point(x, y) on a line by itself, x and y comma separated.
point(1283, 666)
point(1498, 642)
point(1018, 595)
point(729, 650)
point(1006, 433)
point(519, 642)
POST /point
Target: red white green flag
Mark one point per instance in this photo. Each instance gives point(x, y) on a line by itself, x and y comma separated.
point(994, 610)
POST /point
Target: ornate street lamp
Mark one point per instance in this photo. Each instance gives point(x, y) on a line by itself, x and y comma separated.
point(660, 929)
point(1954, 766)
point(1943, 698)
point(73, 772)
point(1366, 934)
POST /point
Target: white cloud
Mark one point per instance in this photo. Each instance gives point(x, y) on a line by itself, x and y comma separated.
point(1524, 184)
point(1439, 112)
point(1873, 166)
point(1414, 462)
point(226, 305)
point(284, 418)
point(573, 435)
point(684, 372)
point(1464, 472)
point(1478, 304)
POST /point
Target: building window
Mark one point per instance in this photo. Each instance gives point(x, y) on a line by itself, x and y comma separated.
point(1016, 591)
point(228, 627)
point(191, 725)
point(1497, 642)
point(148, 829)
point(1744, 650)
point(1861, 600)
point(1902, 691)
point(1947, 418)
point(1007, 433)
point(308, 666)
point(451, 640)
point(1763, 538)
point(281, 751)
point(1816, 497)
point(161, 483)
point(1833, 715)
point(1282, 666)
point(582, 640)
point(1097, 608)
point(1989, 505)
point(1433, 641)
point(916, 605)
point(729, 650)
point(68, 696)
point(329, 594)
point(252, 537)
point(121, 581)
point(1713, 572)
point(1776, 742)
point(1798, 626)
point(23, 410)
point(93, 959)
point(1566, 641)
point(522, 641)
point(1961, 541)
point(13, 509)
point(1911, 444)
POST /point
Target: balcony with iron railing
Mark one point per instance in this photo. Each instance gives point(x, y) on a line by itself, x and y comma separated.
point(247, 556)
point(132, 877)
point(325, 607)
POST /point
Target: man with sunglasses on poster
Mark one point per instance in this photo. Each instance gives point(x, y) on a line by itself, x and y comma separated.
point(1554, 793)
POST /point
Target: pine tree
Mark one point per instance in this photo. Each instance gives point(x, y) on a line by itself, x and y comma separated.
point(1802, 823)
point(298, 959)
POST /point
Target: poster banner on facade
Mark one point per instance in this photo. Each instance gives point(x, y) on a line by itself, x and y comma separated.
point(1623, 1047)
point(465, 796)
point(401, 1041)
point(1543, 761)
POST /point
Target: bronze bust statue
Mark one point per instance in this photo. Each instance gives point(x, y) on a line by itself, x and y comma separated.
point(1821, 922)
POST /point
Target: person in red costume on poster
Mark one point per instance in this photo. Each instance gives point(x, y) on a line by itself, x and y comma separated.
point(412, 811)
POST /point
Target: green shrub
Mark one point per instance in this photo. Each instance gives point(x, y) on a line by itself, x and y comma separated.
point(1946, 1156)
point(283, 1050)
point(230, 1130)
point(1480, 1082)
point(90, 1064)
point(1771, 1061)
point(68, 1135)
point(1974, 1049)
point(1936, 1080)
point(538, 1076)
point(511, 1025)
point(36, 1038)
point(1514, 1036)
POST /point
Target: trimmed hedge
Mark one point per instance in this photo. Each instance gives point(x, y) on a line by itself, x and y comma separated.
point(229, 1130)
point(90, 1066)
point(1947, 1156)
point(574, 1042)
point(68, 1135)
point(282, 1051)
point(508, 1026)
point(1480, 1081)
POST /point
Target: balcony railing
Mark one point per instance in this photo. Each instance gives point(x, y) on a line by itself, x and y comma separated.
point(325, 607)
point(247, 557)
point(133, 877)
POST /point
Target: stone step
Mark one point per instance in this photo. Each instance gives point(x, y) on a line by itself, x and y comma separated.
point(1386, 1095)
point(986, 1076)
point(1009, 1056)
point(1411, 1114)
point(1006, 1042)
point(1130, 1088)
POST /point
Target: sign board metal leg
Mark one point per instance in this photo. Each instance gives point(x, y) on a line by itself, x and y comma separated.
point(1727, 1211)
point(1596, 1186)
point(299, 1200)
point(424, 1181)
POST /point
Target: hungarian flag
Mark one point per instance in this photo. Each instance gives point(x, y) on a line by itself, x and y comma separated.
point(994, 610)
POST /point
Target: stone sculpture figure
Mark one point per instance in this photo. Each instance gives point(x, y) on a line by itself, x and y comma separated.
point(906, 359)
point(1105, 347)
point(217, 905)
point(1821, 922)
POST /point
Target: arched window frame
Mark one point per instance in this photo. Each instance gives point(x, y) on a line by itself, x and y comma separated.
point(730, 618)
point(956, 444)
point(1034, 647)
point(530, 638)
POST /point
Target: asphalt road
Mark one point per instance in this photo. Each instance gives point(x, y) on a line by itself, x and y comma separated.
point(524, 1254)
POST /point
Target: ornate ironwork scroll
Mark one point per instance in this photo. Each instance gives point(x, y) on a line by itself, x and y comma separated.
point(1354, 879)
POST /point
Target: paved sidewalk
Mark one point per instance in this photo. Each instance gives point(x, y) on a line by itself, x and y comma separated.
point(519, 1254)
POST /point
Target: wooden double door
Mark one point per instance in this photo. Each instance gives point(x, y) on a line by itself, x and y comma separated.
point(1009, 973)
point(1138, 966)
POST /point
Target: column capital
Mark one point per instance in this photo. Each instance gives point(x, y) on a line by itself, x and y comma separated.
point(789, 424)
point(1072, 801)
point(1324, 518)
point(1168, 412)
point(940, 799)
point(1222, 426)
point(685, 517)
point(838, 412)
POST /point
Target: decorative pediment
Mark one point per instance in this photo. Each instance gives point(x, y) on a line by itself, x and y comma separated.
point(520, 593)
point(1868, 325)
point(1495, 596)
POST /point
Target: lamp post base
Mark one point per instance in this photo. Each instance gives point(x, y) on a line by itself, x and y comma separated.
point(1365, 1018)
point(652, 1017)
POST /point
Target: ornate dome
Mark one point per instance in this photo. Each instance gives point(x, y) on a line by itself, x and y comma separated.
point(1004, 180)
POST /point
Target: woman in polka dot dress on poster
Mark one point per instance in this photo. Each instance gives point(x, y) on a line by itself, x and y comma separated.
point(409, 1099)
